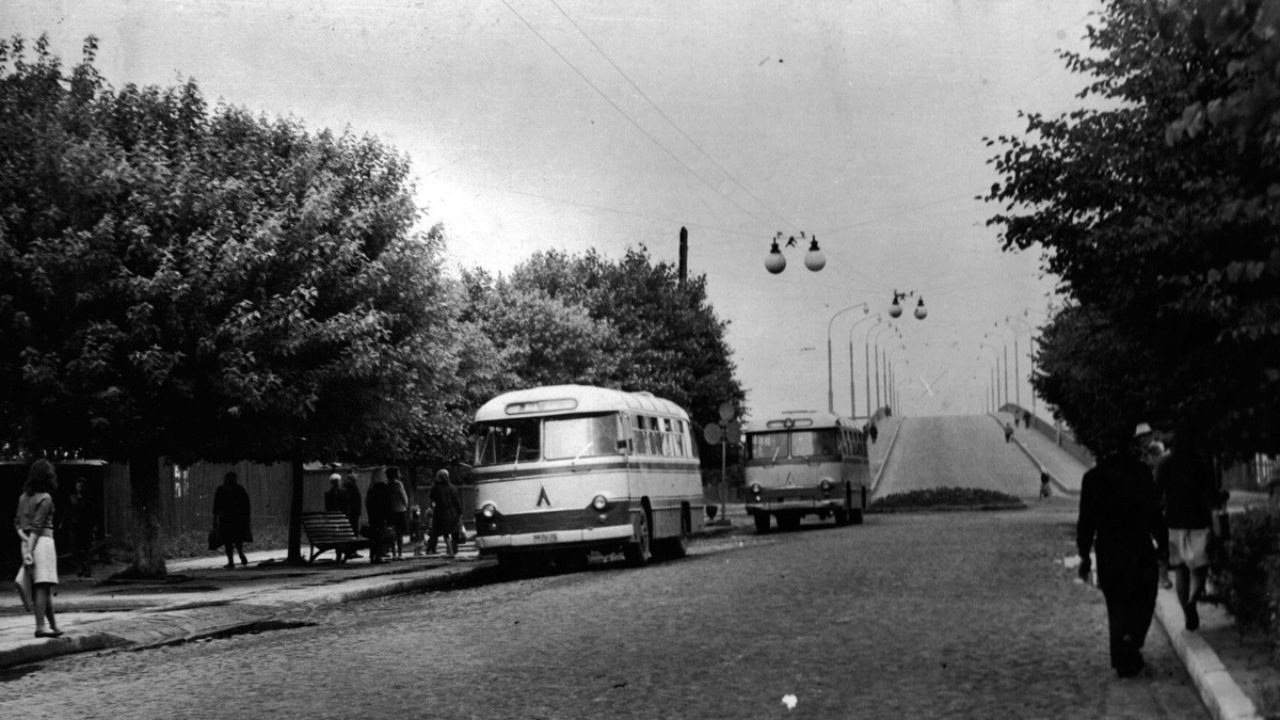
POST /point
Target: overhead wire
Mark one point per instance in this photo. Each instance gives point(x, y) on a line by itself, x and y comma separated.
point(673, 123)
point(630, 119)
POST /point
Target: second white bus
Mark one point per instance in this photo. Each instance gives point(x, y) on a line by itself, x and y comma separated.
point(805, 463)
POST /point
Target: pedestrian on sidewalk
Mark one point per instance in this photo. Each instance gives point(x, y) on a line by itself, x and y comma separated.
point(81, 526)
point(446, 509)
point(231, 515)
point(352, 504)
point(399, 510)
point(1153, 453)
point(1008, 431)
point(34, 524)
point(334, 500)
point(1191, 492)
point(377, 504)
point(1120, 511)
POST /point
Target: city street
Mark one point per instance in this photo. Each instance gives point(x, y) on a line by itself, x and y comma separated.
point(911, 615)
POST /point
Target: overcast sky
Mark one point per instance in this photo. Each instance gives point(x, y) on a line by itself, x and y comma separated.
point(566, 124)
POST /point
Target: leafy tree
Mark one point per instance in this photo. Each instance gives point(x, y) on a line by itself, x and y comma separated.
point(1156, 204)
point(206, 284)
point(667, 338)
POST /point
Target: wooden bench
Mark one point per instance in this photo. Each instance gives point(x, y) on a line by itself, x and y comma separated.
point(331, 531)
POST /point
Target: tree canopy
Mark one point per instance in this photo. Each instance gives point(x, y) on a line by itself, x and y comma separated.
point(1155, 202)
point(629, 324)
point(199, 282)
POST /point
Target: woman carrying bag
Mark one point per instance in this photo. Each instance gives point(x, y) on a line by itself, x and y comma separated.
point(34, 524)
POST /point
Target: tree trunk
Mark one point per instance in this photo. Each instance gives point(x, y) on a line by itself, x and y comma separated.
point(144, 496)
point(295, 516)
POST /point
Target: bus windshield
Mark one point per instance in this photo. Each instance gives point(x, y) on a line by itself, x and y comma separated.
point(796, 444)
point(508, 442)
point(808, 443)
point(552, 438)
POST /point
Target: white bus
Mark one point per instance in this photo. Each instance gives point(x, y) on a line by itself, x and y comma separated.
point(805, 463)
point(563, 470)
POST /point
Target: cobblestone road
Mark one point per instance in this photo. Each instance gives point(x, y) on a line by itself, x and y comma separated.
point(948, 615)
point(968, 615)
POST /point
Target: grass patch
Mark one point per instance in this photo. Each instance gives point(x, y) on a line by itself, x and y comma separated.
point(947, 498)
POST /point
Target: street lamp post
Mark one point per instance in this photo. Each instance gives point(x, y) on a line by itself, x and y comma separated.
point(853, 402)
point(1017, 389)
point(876, 354)
point(996, 377)
point(831, 398)
point(1030, 356)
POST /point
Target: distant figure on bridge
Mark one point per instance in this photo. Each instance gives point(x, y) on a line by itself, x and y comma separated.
point(1008, 432)
point(873, 433)
point(1120, 510)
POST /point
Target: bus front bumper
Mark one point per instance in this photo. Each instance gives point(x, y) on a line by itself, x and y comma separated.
point(588, 536)
point(808, 500)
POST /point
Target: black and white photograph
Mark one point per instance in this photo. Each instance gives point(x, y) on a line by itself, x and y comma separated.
point(551, 359)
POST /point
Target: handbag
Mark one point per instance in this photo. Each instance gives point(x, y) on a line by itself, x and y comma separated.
point(215, 539)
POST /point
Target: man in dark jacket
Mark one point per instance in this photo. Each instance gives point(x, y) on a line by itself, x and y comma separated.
point(1120, 509)
point(231, 512)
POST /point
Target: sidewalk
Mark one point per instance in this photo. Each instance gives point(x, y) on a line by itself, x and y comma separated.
point(202, 599)
point(1064, 470)
point(1216, 680)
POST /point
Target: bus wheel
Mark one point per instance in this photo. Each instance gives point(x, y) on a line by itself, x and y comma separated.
point(842, 516)
point(856, 516)
point(788, 521)
point(640, 552)
point(762, 522)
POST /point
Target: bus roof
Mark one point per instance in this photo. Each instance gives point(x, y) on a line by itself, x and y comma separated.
point(573, 399)
point(806, 419)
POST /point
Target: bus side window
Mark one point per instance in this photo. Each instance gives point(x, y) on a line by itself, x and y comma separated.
point(645, 441)
point(668, 437)
point(679, 434)
point(623, 434)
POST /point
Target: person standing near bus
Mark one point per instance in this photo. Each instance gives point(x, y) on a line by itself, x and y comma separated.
point(399, 510)
point(377, 505)
point(34, 524)
point(1120, 511)
point(1191, 492)
point(446, 506)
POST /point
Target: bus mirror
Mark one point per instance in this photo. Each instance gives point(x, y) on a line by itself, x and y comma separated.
point(624, 446)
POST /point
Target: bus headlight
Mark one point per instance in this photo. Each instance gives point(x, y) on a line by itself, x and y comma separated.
point(488, 511)
point(600, 502)
point(755, 491)
point(826, 486)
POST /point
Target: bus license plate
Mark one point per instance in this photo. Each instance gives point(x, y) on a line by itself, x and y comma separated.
point(545, 537)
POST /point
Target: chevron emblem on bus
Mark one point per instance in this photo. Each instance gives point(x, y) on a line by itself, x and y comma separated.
point(542, 498)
